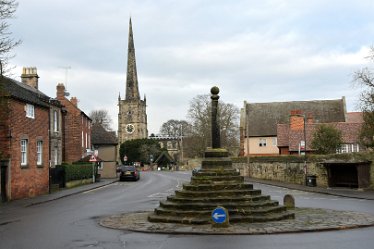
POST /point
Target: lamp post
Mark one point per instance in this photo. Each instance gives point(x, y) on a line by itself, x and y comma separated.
point(3, 167)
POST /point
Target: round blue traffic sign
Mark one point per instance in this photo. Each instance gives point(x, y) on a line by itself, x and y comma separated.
point(219, 215)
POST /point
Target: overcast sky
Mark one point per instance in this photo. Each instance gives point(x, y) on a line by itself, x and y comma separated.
point(255, 51)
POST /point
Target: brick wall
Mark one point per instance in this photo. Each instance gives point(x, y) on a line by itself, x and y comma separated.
point(32, 179)
point(4, 129)
point(77, 128)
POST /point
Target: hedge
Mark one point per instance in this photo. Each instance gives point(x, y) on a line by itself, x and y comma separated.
point(77, 171)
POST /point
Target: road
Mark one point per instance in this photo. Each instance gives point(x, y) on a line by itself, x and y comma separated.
point(71, 222)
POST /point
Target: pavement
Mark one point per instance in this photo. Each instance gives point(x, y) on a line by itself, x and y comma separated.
point(367, 194)
point(59, 194)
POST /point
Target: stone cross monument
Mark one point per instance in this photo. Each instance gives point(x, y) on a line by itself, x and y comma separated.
point(218, 186)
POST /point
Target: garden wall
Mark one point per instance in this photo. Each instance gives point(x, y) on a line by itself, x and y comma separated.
point(291, 169)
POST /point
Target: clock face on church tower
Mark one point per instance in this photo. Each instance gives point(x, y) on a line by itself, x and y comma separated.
point(130, 128)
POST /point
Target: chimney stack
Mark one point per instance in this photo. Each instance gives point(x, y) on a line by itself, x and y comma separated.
point(297, 119)
point(60, 94)
point(30, 76)
point(74, 101)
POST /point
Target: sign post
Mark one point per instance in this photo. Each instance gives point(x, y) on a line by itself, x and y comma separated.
point(93, 159)
point(220, 217)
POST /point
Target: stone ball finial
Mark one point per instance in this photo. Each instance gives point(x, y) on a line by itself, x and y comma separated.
point(214, 90)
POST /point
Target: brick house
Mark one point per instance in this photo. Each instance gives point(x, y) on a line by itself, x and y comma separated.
point(30, 77)
point(24, 138)
point(258, 121)
point(76, 128)
point(291, 134)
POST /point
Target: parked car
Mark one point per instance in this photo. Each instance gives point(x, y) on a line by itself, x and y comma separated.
point(128, 172)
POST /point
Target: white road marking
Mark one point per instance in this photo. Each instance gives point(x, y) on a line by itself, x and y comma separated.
point(95, 189)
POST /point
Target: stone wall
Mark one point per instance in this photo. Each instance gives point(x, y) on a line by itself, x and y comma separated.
point(291, 168)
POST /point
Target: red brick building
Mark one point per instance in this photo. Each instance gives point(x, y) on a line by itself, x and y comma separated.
point(292, 135)
point(76, 126)
point(24, 139)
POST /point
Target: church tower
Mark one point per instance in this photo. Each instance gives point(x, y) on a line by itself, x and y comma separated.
point(132, 116)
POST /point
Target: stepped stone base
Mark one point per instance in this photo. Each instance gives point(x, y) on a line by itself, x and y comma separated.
point(218, 184)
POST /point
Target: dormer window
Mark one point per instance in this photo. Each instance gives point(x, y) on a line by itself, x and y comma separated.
point(262, 142)
point(30, 111)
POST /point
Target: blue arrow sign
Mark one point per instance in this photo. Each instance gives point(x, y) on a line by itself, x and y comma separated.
point(219, 215)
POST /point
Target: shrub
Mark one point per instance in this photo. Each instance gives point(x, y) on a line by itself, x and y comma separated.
point(77, 171)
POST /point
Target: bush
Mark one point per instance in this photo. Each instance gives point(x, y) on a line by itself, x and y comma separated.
point(77, 171)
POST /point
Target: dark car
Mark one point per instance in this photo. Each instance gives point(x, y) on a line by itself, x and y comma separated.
point(128, 172)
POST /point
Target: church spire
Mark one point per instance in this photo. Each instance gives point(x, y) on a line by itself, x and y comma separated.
point(132, 89)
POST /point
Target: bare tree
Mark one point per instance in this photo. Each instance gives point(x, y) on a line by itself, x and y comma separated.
point(101, 117)
point(7, 43)
point(199, 115)
point(365, 78)
point(175, 128)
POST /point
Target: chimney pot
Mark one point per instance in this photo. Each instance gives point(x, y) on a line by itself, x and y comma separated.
point(30, 76)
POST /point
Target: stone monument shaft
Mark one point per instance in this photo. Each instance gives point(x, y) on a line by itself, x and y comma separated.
point(216, 134)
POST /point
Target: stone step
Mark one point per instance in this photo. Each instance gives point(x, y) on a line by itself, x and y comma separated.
point(206, 220)
point(218, 186)
point(211, 172)
point(210, 205)
point(243, 212)
point(250, 198)
point(216, 179)
point(218, 193)
point(216, 163)
point(205, 217)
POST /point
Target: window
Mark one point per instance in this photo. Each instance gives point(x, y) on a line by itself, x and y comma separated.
point(348, 148)
point(82, 140)
point(30, 111)
point(39, 152)
point(55, 121)
point(56, 156)
point(262, 142)
point(274, 141)
point(24, 144)
point(355, 148)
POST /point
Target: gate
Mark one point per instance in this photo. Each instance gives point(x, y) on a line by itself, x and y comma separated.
point(3, 179)
point(57, 176)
